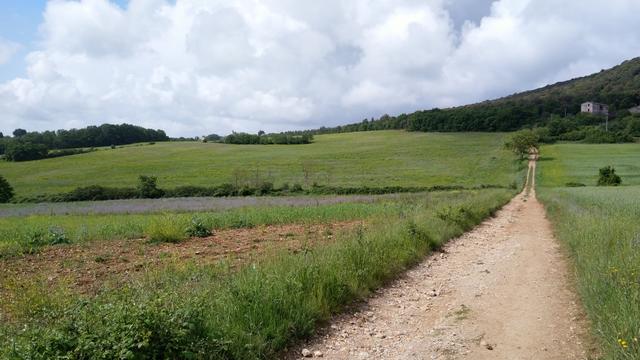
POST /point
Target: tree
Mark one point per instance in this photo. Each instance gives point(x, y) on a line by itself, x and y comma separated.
point(608, 177)
point(1, 135)
point(19, 132)
point(6, 191)
point(261, 132)
point(25, 151)
point(522, 142)
point(148, 188)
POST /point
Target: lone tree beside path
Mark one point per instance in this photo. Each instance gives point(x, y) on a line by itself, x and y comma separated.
point(523, 142)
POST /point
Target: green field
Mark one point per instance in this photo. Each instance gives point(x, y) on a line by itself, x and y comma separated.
point(601, 230)
point(564, 163)
point(380, 158)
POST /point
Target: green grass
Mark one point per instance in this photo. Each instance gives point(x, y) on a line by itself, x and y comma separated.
point(203, 312)
point(17, 234)
point(564, 163)
point(380, 158)
point(602, 230)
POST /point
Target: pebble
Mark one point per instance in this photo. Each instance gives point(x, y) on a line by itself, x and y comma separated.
point(307, 353)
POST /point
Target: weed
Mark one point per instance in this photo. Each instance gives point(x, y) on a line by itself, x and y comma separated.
point(166, 229)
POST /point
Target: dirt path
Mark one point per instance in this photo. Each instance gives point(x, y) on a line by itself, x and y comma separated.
point(501, 291)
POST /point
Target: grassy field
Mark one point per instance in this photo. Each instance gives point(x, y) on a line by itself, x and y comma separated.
point(602, 231)
point(380, 158)
point(563, 163)
point(191, 311)
point(600, 227)
point(27, 234)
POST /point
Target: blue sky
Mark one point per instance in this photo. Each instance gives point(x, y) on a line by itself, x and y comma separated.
point(195, 67)
point(19, 22)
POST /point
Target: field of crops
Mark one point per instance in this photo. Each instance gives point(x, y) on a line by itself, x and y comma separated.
point(380, 158)
point(190, 310)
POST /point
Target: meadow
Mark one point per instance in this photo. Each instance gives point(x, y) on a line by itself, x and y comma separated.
point(579, 163)
point(216, 312)
point(600, 229)
point(379, 158)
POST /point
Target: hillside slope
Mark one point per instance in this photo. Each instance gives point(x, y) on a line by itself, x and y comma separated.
point(619, 87)
point(383, 158)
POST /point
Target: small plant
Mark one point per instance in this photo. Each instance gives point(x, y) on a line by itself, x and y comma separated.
point(608, 177)
point(40, 238)
point(166, 229)
point(6, 191)
point(197, 228)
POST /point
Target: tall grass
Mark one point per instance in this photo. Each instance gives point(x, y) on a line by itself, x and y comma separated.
point(205, 312)
point(601, 227)
point(17, 234)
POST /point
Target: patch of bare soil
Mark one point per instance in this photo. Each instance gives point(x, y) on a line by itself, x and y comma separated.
point(86, 267)
point(501, 291)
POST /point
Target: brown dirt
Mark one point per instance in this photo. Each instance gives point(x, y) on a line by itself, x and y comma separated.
point(501, 291)
point(86, 267)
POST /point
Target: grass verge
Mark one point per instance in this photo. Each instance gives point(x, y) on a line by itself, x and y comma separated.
point(213, 313)
point(602, 231)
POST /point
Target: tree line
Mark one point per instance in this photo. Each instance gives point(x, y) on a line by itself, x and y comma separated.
point(35, 145)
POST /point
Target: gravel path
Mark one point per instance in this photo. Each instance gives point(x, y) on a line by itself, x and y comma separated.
point(501, 291)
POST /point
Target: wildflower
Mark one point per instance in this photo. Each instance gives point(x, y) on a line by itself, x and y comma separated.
point(623, 343)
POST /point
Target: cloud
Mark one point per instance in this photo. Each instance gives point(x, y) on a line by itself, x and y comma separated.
point(7, 50)
point(193, 67)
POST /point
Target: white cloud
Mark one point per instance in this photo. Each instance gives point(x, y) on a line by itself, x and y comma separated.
point(7, 50)
point(199, 66)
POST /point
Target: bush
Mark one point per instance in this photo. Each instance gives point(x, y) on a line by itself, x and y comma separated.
point(166, 229)
point(148, 188)
point(97, 192)
point(574, 184)
point(608, 177)
point(197, 228)
point(40, 238)
point(6, 191)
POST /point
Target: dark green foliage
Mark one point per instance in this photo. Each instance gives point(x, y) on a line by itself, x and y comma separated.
point(19, 132)
point(608, 177)
point(279, 139)
point(574, 184)
point(522, 142)
point(97, 192)
point(6, 190)
point(18, 150)
point(148, 187)
point(198, 228)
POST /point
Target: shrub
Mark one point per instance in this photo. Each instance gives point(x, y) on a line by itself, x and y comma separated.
point(165, 229)
point(574, 184)
point(6, 191)
point(97, 192)
point(608, 177)
point(197, 228)
point(148, 188)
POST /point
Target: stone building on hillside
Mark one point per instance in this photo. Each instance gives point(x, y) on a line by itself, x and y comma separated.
point(635, 110)
point(594, 108)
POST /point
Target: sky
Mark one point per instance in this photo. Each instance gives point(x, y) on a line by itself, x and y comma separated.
point(196, 67)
